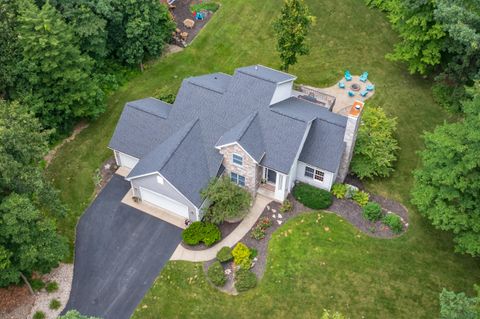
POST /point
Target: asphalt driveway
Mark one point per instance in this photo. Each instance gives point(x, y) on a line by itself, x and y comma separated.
point(119, 251)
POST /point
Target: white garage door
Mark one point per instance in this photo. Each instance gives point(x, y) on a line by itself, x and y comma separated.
point(127, 160)
point(164, 202)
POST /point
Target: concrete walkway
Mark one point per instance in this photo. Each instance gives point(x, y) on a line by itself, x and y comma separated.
point(182, 253)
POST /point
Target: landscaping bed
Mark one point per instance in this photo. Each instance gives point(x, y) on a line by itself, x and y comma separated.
point(181, 12)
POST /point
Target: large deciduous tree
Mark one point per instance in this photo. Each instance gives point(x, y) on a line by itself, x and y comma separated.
point(458, 305)
point(376, 145)
point(291, 28)
point(138, 30)
point(28, 240)
point(57, 81)
point(9, 47)
point(447, 186)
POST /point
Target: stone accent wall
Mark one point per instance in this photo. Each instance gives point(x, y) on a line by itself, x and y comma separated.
point(248, 169)
point(351, 130)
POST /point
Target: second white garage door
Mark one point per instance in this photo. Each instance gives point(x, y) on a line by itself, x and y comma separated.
point(164, 202)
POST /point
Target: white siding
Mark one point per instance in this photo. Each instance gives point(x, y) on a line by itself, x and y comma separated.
point(164, 202)
point(328, 179)
point(282, 92)
point(294, 169)
point(125, 160)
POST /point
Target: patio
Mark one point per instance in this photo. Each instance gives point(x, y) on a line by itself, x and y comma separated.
point(343, 102)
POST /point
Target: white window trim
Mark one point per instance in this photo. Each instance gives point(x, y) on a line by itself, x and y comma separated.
point(236, 164)
point(238, 179)
point(314, 174)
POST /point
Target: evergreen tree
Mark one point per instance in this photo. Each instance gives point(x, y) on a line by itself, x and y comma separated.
point(291, 28)
point(447, 186)
point(57, 82)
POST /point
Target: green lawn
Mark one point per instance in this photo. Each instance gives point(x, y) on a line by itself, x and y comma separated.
point(311, 269)
point(347, 35)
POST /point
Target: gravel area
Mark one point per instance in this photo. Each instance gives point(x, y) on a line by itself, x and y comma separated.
point(63, 276)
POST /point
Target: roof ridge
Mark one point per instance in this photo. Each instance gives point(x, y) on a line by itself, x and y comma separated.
point(289, 116)
point(144, 111)
point(248, 125)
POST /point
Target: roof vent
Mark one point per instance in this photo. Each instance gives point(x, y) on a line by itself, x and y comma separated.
point(256, 67)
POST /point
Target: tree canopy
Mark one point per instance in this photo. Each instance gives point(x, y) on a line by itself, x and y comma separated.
point(291, 28)
point(227, 200)
point(376, 145)
point(458, 305)
point(56, 79)
point(447, 186)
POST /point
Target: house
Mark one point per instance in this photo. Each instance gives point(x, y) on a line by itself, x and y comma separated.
point(248, 126)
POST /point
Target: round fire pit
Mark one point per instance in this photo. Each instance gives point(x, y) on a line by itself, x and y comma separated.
point(355, 87)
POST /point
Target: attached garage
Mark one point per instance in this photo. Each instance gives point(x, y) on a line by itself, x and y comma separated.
point(125, 160)
point(164, 202)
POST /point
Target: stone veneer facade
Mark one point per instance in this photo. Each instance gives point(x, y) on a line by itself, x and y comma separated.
point(250, 170)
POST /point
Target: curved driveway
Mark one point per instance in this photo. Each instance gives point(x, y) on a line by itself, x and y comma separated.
point(119, 251)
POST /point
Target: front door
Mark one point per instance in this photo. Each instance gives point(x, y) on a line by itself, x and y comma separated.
point(271, 176)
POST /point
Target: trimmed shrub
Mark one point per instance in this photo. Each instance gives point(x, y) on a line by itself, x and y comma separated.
point(339, 190)
point(54, 304)
point(245, 280)
point(372, 211)
point(286, 206)
point(198, 232)
point(394, 222)
point(37, 284)
point(311, 196)
point(212, 234)
point(39, 315)
point(224, 254)
point(351, 190)
point(241, 255)
point(51, 286)
point(216, 274)
point(361, 198)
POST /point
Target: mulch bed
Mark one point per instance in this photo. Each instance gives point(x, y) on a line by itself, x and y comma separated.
point(182, 12)
point(225, 228)
point(108, 168)
point(12, 299)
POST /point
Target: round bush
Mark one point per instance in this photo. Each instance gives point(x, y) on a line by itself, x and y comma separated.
point(394, 222)
point(245, 280)
point(361, 198)
point(224, 254)
point(216, 274)
point(372, 211)
point(54, 304)
point(39, 315)
point(211, 234)
point(311, 196)
point(198, 232)
point(51, 286)
point(242, 255)
point(193, 235)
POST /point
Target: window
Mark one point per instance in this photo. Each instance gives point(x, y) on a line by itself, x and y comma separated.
point(319, 175)
point(237, 179)
point(309, 172)
point(314, 173)
point(237, 159)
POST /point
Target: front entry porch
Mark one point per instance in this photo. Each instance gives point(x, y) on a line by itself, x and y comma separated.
point(273, 184)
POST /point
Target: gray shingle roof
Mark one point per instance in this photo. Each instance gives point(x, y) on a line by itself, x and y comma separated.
point(179, 141)
point(324, 145)
point(266, 73)
point(307, 111)
point(152, 106)
point(217, 82)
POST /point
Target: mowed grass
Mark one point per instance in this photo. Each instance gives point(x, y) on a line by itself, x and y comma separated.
point(315, 261)
point(347, 35)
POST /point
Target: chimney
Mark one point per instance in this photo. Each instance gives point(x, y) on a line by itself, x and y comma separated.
point(351, 130)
